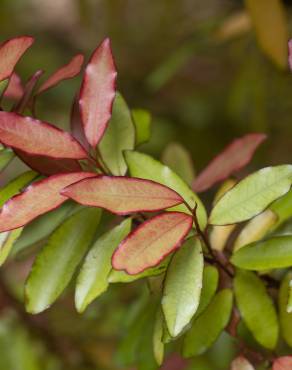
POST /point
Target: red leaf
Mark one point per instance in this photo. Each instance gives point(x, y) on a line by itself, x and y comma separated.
point(123, 195)
point(10, 52)
point(283, 363)
point(97, 93)
point(69, 70)
point(76, 125)
point(151, 242)
point(38, 198)
point(235, 156)
point(14, 89)
point(48, 166)
point(35, 137)
point(175, 362)
point(290, 53)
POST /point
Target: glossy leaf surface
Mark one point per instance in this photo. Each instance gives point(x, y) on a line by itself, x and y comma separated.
point(119, 136)
point(235, 156)
point(152, 241)
point(92, 280)
point(252, 195)
point(57, 261)
point(97, 93)
point(122, 195)
point(256, 308)
point(207, 327)
point(182, 286)
point(39, 198)
point(268, 254)
point(146, 167)
point(36, 137)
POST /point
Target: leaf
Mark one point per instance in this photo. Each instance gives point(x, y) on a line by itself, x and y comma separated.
point(151, 242)
point(57, 261)
point(142, 121)
point(256, 308)
point(66, 72)
point(176, 157)
point(14, 89)
point(207, 327)
point(48, 166)
point(145, 167)
point(210, 285)
point(98, 92)
point(15, 185)
point(283, 208)
point(158, 345)
point(6, 155)
point(269, 21)
point(39, 198)
point(285, 314)
point(76, 125)
point(35, 137)
point(234, 157)
point(119, 136)
point(43, 226)
point(10, 52)
point(7, 241)
point(219, 236)
point(241, 363)
point(182, 286)
point(92, 280)
point(252, 195)
point(122, 277)
point(122, 195)
point(255, 229)
point(269, 254)
point(283, 363)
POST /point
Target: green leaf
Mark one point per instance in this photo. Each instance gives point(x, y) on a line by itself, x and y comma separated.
point(176, 157)
point(7, 241)
point(119, 136)
point(283, 208)
point(43, 226)
point(285, 311)
point(57, 261)
point(142, 122)
point(158, 345)
point(145, 167)
point(182, 286)
point(6, 155)
point(252, 195)
point(256, 308)
point(272, 253)
point(92, 280)
point(210, 285)
point(116, 276)
point(15, 185)
point(208, 326)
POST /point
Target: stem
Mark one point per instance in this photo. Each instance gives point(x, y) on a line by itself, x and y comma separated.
point(205, 240)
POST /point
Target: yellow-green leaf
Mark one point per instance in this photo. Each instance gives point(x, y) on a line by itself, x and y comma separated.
point(7, 240)
point(142, 121)
point(158, 345)
point(210, 285)
point(252, 195)
point(256, 308)
point(6, 155)
point(92, 280)
point(57, 261)
point(285, 312)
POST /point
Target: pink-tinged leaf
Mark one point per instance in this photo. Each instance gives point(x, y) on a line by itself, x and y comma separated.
point(35, 137)
point(283, 363)
point(241, 363)
point(98, 92)
point(69, 70)
point(14, 89)
point(38, 198)
point(10, 52)
point(76, 126)
point(123, 195)
point(234, 157)
point(48, 166)
point(290, 53)
point(151, 242)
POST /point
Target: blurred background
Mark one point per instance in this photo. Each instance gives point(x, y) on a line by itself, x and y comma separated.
point(208, 71)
